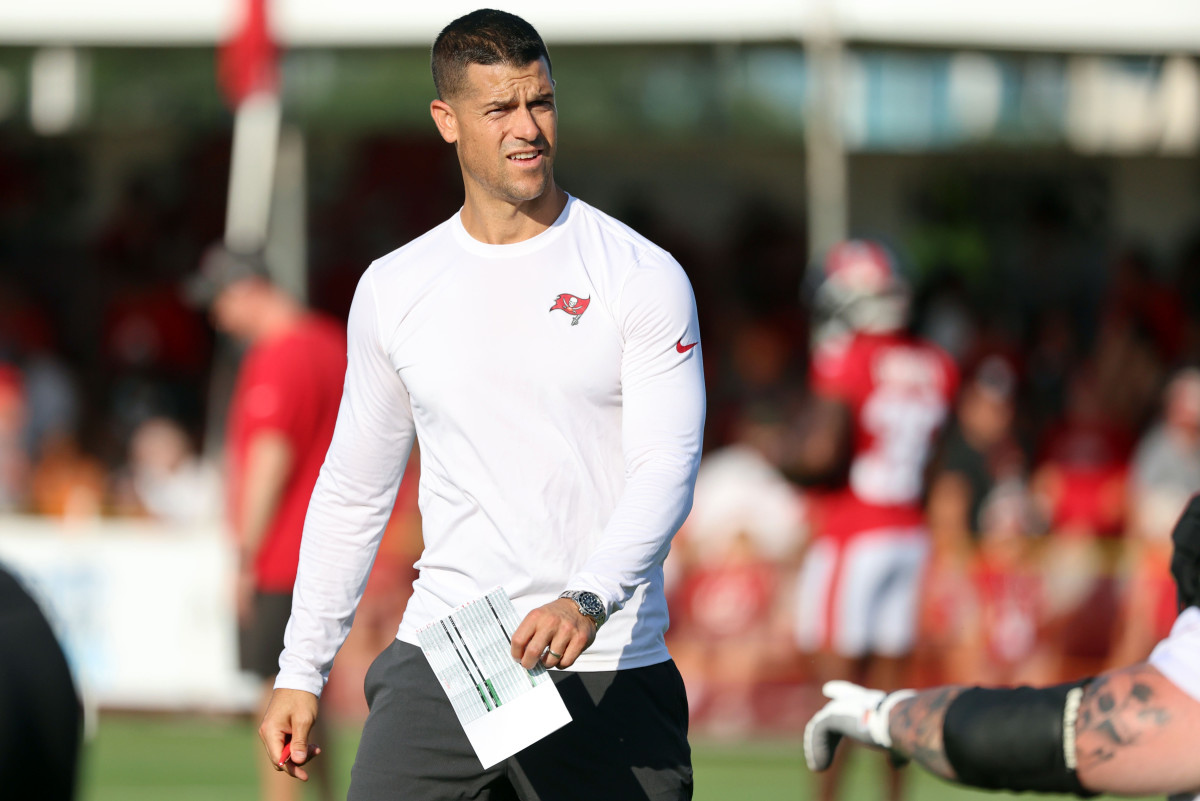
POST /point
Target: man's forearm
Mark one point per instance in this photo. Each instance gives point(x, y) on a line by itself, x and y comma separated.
point(916, 729)
point(268, 464)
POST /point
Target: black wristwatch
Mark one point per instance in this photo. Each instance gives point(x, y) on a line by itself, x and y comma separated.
point(589, 604)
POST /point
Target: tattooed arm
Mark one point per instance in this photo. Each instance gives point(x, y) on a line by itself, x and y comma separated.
point(916, 729)
point(1138, 734)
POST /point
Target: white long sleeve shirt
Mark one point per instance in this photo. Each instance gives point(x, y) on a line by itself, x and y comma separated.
point(556, 388)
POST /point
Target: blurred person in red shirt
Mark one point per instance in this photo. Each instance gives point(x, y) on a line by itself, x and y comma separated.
point(1080, 485)
point(1081, 474)
point(881, 397)
point(280, 423)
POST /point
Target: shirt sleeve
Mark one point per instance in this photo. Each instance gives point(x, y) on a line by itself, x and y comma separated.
point(351, 502)
point(662, 381)
point(1178, 656)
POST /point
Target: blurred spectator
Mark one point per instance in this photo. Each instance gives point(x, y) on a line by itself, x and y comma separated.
point(1166, 464)
point(1081, 475)
point(281, 420)
point(1080, 485)
point(979, 449)
point(54, 402)
point(1006, 616)
point(67, 482)
point(14, 462)
point(1164, 475)
point(978, 453)
point(1137, 300)
point(151, 327)
point(165, 479)
point(741, 494)
point(746, 528)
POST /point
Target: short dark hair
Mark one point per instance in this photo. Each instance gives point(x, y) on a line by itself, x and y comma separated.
point(483, 37)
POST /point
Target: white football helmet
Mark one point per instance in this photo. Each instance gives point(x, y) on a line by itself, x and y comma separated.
point(859, 288)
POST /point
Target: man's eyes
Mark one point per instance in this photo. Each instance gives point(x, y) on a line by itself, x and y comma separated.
point(538, 104)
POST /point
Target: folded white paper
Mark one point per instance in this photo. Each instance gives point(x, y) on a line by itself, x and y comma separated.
point(502, 707)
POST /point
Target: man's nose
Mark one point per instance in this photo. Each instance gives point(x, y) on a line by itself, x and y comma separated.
point(525, 126)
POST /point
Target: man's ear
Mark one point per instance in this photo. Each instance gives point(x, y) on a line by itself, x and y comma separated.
point(444, 119)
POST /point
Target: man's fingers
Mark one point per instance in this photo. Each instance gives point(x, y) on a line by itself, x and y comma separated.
point(576, 646)
point(522, 636)
point(559, 654)
point(536, 647)
point(546, 629)
point(534, 636)
point(300, 748)
point(294, 769)
point(820, 744)
point(301, 727)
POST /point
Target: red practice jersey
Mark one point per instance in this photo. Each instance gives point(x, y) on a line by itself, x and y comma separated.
point(899, 391)
point(290, 384)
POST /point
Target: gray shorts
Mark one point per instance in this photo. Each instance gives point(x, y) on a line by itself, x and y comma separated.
point(260, 639)
point(627, 740)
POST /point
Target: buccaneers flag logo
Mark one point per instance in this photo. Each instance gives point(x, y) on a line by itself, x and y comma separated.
point(572, 305)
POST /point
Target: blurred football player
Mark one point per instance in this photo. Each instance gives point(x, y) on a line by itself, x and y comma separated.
point(1128, 731)
point(880, 397)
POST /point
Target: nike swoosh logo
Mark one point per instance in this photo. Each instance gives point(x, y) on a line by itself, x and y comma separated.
point(682, 348)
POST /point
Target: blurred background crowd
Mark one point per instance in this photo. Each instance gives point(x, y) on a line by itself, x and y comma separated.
point(1057, 261)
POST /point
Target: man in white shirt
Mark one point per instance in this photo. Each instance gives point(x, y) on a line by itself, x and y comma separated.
point(1131, 731)
point(546, 356)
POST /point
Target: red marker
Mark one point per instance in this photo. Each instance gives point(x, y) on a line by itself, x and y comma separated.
point(287, 754)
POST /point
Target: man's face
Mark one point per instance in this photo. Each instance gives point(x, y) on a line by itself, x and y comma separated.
point(505, 126)
point(234, 309)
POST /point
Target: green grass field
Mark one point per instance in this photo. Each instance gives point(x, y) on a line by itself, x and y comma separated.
point(133, 758)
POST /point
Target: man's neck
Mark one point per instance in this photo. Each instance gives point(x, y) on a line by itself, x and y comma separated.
point(497, 222)
point(278, 317)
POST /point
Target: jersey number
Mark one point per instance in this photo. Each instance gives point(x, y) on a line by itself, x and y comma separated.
point(902, 425)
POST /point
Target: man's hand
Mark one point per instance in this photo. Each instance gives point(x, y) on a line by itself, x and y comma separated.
point(289, 718)
point(852, 711)
point(557, 630)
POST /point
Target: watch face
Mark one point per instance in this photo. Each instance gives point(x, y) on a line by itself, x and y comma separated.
point(590, 604)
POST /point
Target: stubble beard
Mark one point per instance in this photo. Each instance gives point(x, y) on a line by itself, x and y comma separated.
point(523, 191)
point(502, 186)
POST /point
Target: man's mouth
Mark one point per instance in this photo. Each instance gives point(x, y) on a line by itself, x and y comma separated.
point(525, 156)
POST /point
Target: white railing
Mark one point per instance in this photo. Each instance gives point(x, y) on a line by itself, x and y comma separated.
point(144, 610)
